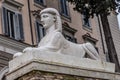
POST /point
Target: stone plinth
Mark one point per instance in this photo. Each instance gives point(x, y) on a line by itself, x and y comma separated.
point(61, 64)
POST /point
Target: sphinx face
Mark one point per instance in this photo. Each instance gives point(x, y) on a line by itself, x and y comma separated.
point(47, 20)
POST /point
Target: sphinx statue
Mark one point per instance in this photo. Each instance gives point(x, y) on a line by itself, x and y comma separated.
point(54, 41)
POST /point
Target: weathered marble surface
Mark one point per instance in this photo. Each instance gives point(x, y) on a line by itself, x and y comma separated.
point(61, 59)
point(60, 63)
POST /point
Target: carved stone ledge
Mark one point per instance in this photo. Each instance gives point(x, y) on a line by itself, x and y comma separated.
point(6, 41)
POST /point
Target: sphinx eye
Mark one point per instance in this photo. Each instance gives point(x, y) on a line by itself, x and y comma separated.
point(44, 16)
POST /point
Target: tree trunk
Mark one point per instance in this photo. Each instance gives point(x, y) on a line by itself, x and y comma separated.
point(109, 41)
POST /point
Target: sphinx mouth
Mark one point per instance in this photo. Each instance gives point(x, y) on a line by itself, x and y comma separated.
point(42, 23)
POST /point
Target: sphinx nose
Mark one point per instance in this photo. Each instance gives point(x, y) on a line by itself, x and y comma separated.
point(42, 22)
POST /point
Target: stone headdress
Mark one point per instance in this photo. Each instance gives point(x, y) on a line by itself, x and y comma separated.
point(57, 16)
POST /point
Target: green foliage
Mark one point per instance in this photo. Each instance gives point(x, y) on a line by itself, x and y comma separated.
point(91, 7)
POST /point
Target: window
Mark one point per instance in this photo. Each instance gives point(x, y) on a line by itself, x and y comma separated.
point(118, 0)
point(87, 38)
point(64, 7)
point(12, 24)
point(69, 38)
point(39, 1)
point(40, 31)
point(86, 21)
point(69, 32)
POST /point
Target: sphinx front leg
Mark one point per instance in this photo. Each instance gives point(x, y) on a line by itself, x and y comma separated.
point(28, 49)
point(32, 49)
point(21, 53)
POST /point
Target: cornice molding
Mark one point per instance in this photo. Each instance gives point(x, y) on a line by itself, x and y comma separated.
point(88, 36)
point(12, 43)
point(68, 28)
point(14, 3)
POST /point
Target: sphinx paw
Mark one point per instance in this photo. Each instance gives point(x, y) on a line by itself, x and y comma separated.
point(17, 54)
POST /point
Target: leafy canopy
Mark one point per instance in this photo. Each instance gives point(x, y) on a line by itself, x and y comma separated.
point(91, 7)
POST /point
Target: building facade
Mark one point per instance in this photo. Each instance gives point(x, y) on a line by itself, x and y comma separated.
point(20, 27)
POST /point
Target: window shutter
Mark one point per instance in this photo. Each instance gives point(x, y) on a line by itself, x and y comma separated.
point(37, 32)
point(5, 22)
point(21, 26)
point(66, 7)
point(19, 35)
point(41, 1)
point(62, 6)
point(16, 27)
point(40, 31)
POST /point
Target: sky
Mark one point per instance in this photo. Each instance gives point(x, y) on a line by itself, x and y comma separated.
point(119, 20)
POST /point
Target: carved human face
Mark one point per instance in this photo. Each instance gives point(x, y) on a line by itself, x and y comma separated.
point(48, 20)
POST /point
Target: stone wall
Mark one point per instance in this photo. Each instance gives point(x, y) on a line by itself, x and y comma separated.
point(38, 75)
point(115, 33)
point(4, 59)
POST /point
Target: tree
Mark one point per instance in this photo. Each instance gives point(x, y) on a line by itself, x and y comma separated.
point(101, 8)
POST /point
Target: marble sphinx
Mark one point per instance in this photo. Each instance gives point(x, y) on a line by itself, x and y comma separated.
point(54, 41)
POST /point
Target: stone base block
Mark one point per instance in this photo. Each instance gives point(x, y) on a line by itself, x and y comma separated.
point(60, 63)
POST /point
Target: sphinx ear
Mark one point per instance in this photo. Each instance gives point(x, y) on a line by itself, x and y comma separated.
point(55, 19)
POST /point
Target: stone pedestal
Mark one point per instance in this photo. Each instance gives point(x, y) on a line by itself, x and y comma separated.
point(40, 66)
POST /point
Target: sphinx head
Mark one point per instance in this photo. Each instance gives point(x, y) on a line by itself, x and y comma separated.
point(50, 16)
